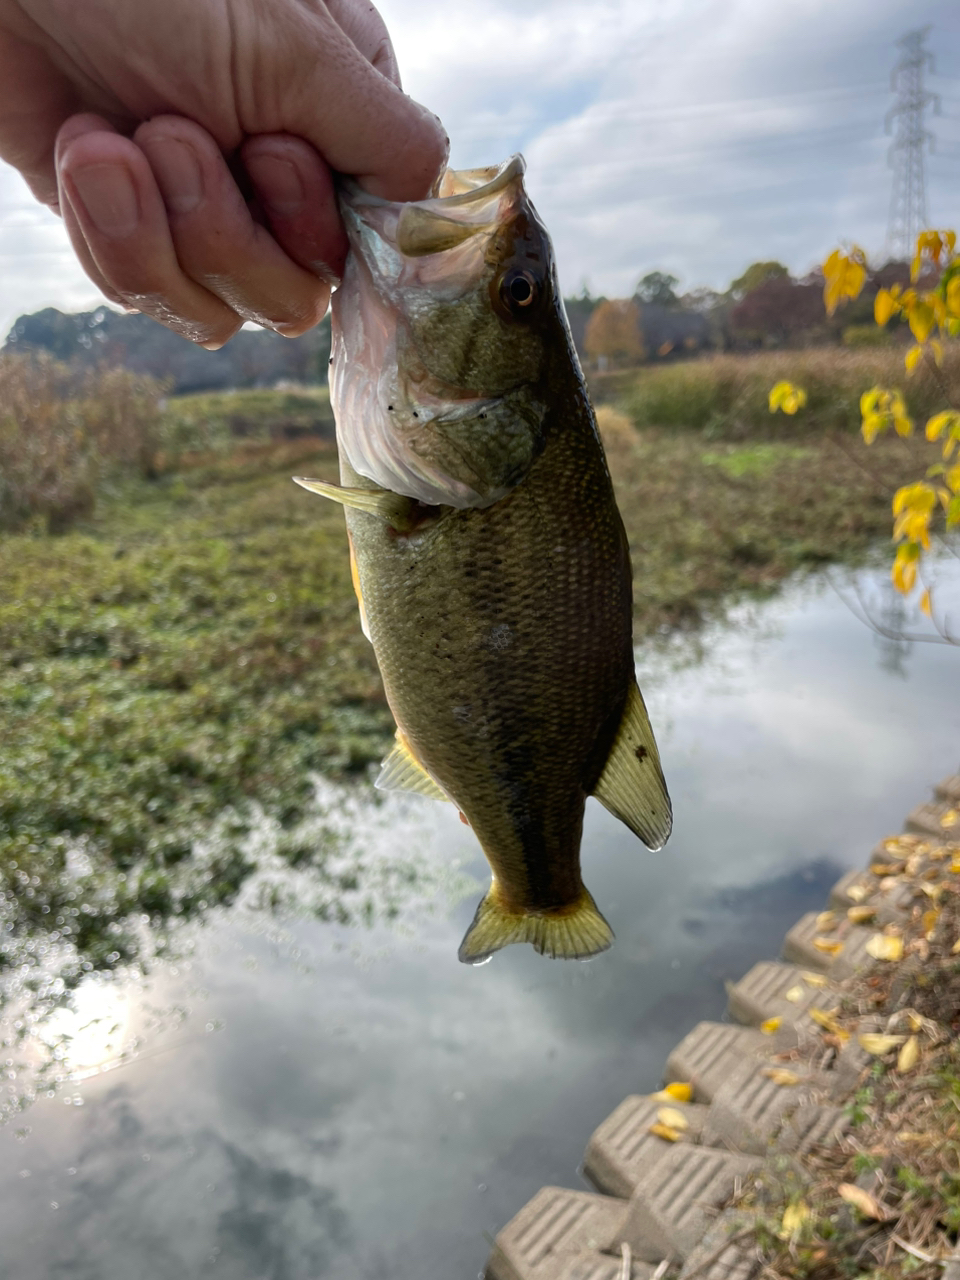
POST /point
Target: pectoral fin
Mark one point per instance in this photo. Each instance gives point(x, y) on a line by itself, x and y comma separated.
point(392, 507)
point(574, 934)
point(401, 771)
point(631, 785)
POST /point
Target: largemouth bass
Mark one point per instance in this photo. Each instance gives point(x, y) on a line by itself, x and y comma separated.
point(489, 557)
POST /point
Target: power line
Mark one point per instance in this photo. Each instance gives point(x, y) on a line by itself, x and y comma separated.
point(908, 202)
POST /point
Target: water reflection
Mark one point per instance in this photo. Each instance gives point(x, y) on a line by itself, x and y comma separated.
point(312, 1099)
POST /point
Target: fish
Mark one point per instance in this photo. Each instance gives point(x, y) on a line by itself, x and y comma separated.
point(488, 555)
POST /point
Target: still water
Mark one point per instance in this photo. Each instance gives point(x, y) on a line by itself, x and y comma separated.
point(302, 1100)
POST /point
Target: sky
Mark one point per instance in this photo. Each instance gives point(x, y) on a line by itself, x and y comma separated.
point(692, 136)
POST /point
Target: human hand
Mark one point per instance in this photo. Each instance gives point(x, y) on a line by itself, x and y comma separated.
point(190, 144)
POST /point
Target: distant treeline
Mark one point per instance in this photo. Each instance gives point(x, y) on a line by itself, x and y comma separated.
point(764, 308)
point(107, 338)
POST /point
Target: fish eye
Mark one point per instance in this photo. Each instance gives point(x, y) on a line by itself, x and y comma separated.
point(518, 289)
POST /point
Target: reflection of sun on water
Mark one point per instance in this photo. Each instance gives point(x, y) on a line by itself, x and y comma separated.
point(89, 1037)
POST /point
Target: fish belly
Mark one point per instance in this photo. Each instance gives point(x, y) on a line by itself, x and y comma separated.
point(504, 637)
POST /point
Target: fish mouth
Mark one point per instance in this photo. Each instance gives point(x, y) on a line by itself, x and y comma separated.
point(466, 202)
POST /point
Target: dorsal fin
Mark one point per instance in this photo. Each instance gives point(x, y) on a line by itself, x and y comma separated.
point(401, 771)
point(631, 785)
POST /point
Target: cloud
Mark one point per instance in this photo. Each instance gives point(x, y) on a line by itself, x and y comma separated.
point(691, 135)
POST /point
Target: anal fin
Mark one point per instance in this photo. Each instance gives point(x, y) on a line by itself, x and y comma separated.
point(575, 933)
point(394, 508)
point(631, 785)
point(401, 771)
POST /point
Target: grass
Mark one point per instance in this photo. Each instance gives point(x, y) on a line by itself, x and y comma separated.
point(903, 1144)
point(705, 522)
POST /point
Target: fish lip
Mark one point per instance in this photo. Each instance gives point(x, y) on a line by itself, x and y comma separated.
point(352, 194)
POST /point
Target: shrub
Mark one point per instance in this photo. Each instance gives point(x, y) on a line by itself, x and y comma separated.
point(726, 396)
point(61, 429)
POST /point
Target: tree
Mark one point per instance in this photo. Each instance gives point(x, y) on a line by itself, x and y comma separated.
point(754, 276)
point(778, 310)
point(613, 332)
point(658, 288)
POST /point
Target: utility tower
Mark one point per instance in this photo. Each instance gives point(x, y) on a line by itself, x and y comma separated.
point(908, 204)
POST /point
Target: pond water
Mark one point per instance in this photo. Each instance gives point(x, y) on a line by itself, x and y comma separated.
point(301, 1099)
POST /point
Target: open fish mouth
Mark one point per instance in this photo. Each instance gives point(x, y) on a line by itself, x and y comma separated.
point(467, 202)
point(418, 410)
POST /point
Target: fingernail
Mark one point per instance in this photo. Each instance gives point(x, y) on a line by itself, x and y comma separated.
point(278, 183)
point(109, 197)
point(177, 171)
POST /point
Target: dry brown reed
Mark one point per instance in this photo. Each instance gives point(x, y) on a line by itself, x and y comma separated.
point(62, 430)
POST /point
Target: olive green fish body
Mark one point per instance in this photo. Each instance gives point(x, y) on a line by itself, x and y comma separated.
point(503, 637)
point(489, 556)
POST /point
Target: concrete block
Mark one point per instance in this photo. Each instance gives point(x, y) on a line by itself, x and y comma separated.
point(800, 945)
point(938, 818)
point(706, 1056)
point(854, 889)
point(948, 789)
point(551, 1231)
point(811, 1125)
point(762, 994)
point(603, 1266)
point(623, 1148)
point(749, 1108)
point(672, 1208)
point(889, 896)
point(724, 1253)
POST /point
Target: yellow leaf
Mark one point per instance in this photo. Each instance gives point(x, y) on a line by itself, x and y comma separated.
point(950, 818)
point(770, 1026)
point(908, 1056)
point(929, 921)
point(904, 572)
point(829, 946)
point(862, 1200)
point(675, 1092)
point(781, 1076)
point(861, 915)
point(953, 296)
point(829, 1023)
point(913, 358)
point(795, 1216)
point(664, 1131)
point(673, 1118)
point(785, 396)
point(826, 921)
point(925, 604)
point(878, 1045)
point(920, 317)
point(883, 869)
point(814, 979)
point(857, 892)
point(883, 306)
point(795, 994)
point(884, 947)
point(955, 949)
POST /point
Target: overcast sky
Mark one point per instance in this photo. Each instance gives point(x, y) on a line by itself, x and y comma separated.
point(694, 136)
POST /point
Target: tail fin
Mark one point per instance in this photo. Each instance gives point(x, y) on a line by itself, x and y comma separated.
point(575, 934)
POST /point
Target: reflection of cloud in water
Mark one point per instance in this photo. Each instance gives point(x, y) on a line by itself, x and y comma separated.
point(356, 861)
point(185, 1202)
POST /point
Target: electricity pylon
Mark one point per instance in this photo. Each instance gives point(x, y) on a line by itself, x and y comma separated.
point(908, 204)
